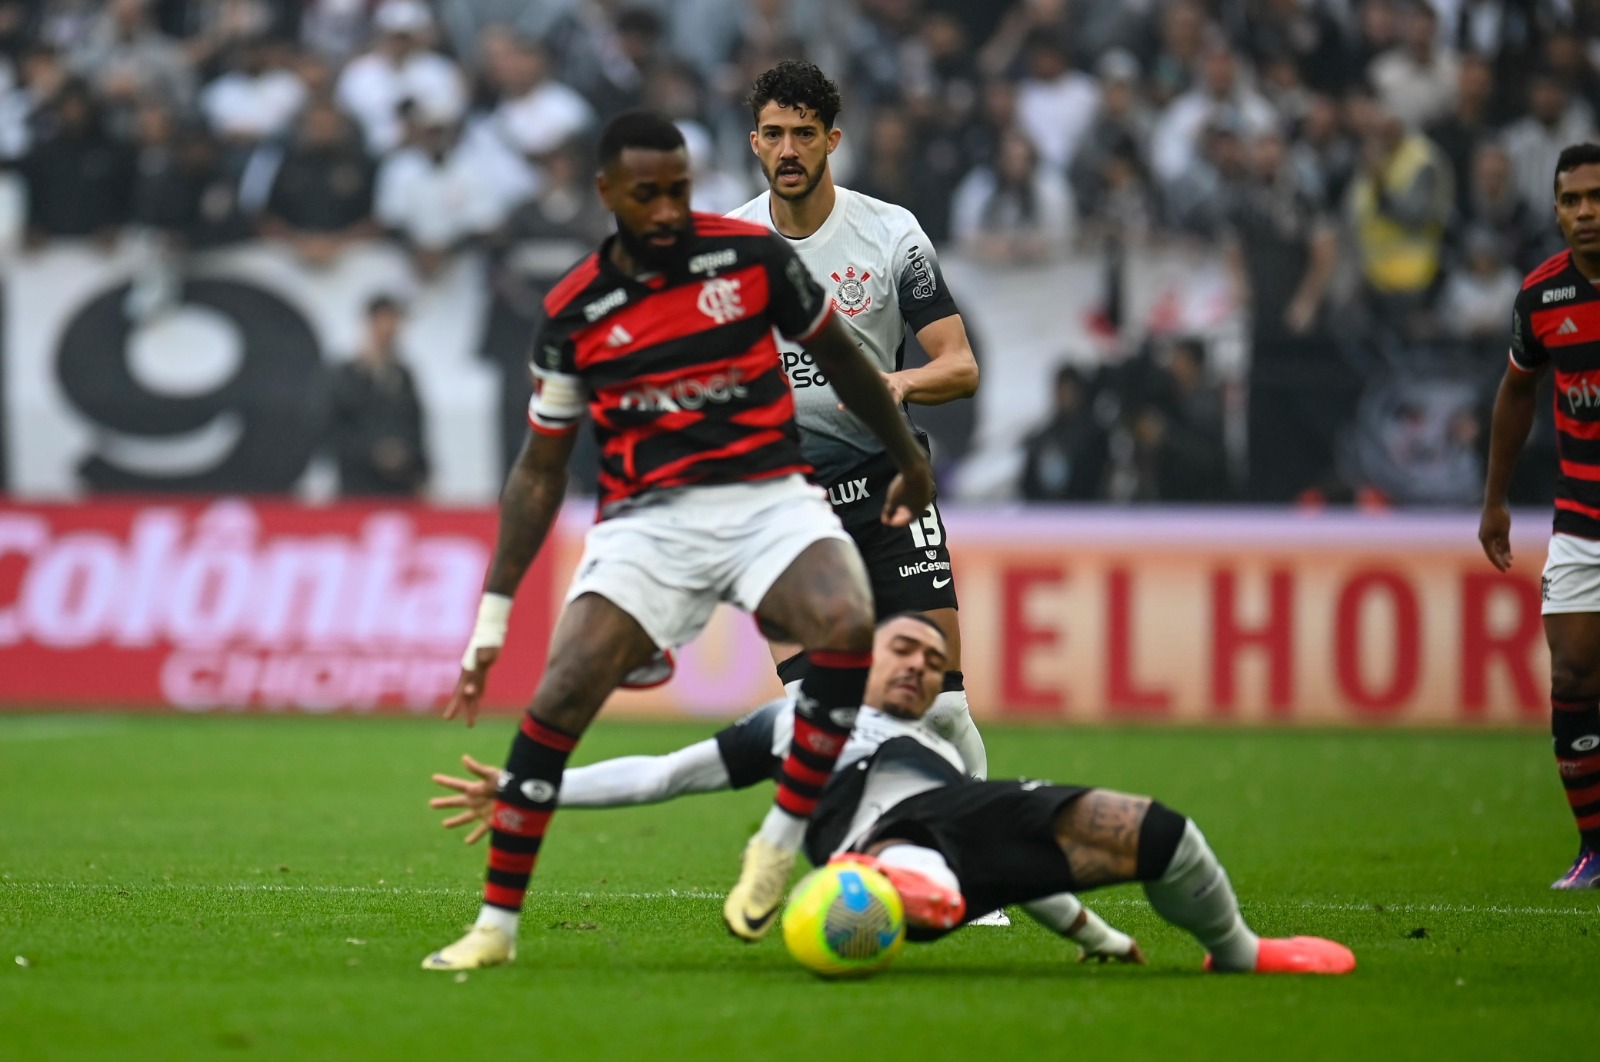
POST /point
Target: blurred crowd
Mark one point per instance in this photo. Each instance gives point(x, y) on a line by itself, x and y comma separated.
point(1377, 174)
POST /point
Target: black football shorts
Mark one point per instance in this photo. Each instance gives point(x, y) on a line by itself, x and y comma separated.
point(746, 746)
point(998, 837)
point(909, 566)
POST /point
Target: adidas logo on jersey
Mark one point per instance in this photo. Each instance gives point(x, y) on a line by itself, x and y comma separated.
point(618, 337)
point(1568, 327)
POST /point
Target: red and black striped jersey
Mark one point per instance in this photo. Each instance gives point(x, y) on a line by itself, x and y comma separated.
point(1556, 322)
point(680, 372)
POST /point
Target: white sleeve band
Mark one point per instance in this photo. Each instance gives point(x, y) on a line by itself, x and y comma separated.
point(489, 632)
point(557, 397)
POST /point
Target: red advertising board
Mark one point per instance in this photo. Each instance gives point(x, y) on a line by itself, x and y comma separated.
point(231, 604)
point(1067, 616)
point(1198, 618)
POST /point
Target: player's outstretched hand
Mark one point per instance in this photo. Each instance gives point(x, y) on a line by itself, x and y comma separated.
point(909, 495)
point(470, 686)
point(476, 796)
point(1494, 533)
point(1134, 956)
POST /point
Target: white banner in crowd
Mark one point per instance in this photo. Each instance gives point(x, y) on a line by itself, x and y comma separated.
point(216, 393)
point(1029, 321)
point(221, 383)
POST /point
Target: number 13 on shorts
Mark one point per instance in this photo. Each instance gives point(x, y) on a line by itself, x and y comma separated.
point(926, 532)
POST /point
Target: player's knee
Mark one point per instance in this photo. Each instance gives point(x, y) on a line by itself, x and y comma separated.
point(844, 621)
point(569, 695)
point(1573, 678)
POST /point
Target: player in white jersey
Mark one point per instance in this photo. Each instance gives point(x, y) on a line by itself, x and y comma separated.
point(882, 273)
point(901, 801)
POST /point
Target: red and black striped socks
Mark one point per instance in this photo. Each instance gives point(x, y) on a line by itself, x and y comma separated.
point(825, 711)
point(1575, 725)
point(522, 810)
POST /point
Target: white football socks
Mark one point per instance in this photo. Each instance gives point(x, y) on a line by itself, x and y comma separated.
point(499, 918)
point(782, 829)
point(1195, 894)
point(1066, 914)
point(951, 718)
point(1099, 937)
point(1059, 912)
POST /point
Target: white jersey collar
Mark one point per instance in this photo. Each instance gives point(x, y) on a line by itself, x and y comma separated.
point(835, 218)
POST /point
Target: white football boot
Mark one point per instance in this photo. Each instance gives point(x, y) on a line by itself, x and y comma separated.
point(482, 946)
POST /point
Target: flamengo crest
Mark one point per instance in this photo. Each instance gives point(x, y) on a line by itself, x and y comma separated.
point(851, 297)
point(720, 300)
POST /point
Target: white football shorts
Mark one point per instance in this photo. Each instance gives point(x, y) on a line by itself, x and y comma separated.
point(669, 561)
point(1571, 581)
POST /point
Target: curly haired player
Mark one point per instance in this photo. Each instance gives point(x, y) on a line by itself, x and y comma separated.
point(882, 276)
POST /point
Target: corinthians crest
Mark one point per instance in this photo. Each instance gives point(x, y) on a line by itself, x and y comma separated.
point(850, 297)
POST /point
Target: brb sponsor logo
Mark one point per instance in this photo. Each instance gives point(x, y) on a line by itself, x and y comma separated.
point(223, 612)
point(685, 395)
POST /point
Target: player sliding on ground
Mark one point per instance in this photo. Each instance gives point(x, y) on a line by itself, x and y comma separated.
point(746, 753)
point(952, 844)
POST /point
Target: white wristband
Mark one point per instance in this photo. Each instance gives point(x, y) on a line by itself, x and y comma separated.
point(489, 632)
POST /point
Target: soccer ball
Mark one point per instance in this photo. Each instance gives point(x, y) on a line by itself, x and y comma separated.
point(844, 920)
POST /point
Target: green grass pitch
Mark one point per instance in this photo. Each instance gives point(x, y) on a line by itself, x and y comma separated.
point(265, 888)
